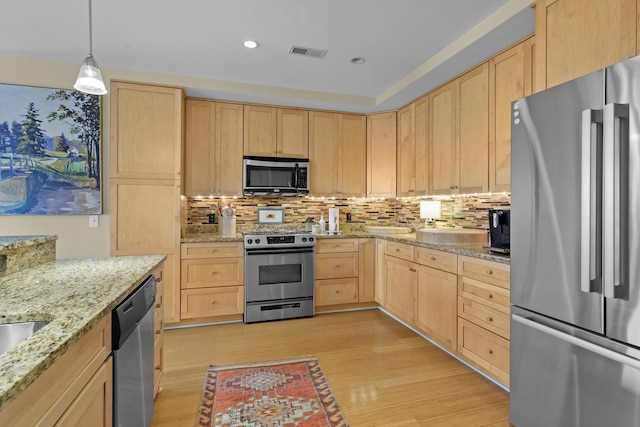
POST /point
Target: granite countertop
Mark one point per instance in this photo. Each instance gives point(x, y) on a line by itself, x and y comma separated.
point(74, 295)
point(15, 242)
point(468, 250)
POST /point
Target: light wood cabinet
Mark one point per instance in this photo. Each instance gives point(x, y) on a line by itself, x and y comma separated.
point(145, 220)
point(402, 282)
point(75, 390)
point(276, 132)
point(158, 329)
point(366, 270)
point(483, 315)
point(146, 131)
point(381, 272)
point(510, 78)
point(575, 37)
point(412, 162)
point(337, 154)
point(213, 148)
point(337, 263)
point(381, 155)
point(459, 134)
point(212, 279)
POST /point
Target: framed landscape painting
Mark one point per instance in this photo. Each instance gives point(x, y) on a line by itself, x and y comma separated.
point(49, 151)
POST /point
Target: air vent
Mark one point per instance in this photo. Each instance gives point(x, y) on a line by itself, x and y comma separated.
point(306, 51)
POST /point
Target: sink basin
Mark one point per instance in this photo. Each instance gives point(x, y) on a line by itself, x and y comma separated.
point(380, 229)
point(452, 236)
point(12, 334)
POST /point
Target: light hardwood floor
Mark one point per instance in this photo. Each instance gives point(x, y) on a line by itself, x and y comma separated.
point(382, 373)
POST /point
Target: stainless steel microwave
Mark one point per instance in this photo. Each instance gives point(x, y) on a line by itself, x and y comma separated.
point(275, 176)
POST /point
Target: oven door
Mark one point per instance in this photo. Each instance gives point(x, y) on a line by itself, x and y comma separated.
point(277, 274)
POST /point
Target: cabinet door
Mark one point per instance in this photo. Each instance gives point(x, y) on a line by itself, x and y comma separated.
point(259, 130)
point(366, 266)
point(146, 131)
point(575, 37)
point(207, 302)
point(437, 305)
point(94, 405)
point(443, 155)
point(336, 291)
point(381, 155)
point(199, 147)
point(401, 280)
point(292, 136)
point(227, 165)
point(406, 151)
point(323, 137)
point(352, 158)
point(473, 136)
point(381, 272)
point(421, 120)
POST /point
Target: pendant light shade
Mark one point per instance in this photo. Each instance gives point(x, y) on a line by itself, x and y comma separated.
point(89, 78)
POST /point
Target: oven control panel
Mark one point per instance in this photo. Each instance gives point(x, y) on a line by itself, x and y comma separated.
point(275, 240)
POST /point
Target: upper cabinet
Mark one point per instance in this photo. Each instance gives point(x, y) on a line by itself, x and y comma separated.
point(381, 155)
point(213, 148)
point(146, 122)
point(412, 165)
point(459, 135)
point(337, 154)
point(510, 78)
point(575, 37)
point(276, 132)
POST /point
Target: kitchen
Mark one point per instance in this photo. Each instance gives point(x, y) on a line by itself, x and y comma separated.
point(91, 240)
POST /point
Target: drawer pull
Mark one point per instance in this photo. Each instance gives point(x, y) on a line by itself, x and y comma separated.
point(158, 332)
point(490, 296)
point(158, 367)
point(489, 272)
point(412, 269)
point(433, 258)
point(490, 351)
point(397, 250)
point(490, 319)
point(337, 292)
point(158, 305)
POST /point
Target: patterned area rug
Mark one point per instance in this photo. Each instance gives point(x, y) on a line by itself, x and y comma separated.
point(289, 392)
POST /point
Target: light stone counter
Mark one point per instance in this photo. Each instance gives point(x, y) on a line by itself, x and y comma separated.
point(74, 295)
point(348, 233)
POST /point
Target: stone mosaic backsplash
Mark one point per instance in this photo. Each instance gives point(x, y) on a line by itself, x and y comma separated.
point(468, 211)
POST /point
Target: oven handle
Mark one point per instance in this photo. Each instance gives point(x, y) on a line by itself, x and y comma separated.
point(302, 250)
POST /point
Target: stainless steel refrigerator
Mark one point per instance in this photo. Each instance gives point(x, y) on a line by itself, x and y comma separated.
point(575, 252)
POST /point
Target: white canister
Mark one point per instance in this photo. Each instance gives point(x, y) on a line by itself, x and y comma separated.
point(333, 219)
point(227, 225)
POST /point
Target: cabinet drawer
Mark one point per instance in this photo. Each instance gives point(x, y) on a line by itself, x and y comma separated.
point(211, 250)
point(488, 351)
point(336, 265)
point(336, 245)
point(484, 293)
point(437, 259)
point(158, 323)
point(336, 291)
point(487, 271)
point(482, 315)
point(204, 273)
point(209, 302)
point(400, 250)
point(158, 363)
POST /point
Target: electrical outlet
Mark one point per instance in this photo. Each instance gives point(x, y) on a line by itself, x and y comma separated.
point(93, 221)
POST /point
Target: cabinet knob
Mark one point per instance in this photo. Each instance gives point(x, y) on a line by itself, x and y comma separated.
point(433, 258)
point(337, 292)
point(158, 367)
point(490, 351)
point(489, 272)
point(490, 296)
point(412, 269)
point(158, 332)
point(490, 319)
point(158, 305)
point(397, 250)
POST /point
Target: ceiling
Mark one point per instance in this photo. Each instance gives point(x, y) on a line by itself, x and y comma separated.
point(409, 46)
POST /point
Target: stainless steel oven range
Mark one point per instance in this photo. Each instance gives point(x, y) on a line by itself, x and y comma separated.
point(279, 275)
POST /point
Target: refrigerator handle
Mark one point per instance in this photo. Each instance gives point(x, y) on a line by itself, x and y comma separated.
point(615, 217)
point(591, 203)
point(586, 345)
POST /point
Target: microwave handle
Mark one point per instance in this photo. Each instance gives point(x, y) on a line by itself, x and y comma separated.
point(295, 177)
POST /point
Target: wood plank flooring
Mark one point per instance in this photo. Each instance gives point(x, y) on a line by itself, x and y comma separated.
point(382, 373)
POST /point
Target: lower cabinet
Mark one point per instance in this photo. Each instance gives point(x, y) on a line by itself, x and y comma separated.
point(337, 270)
point(483, 316)
point(75, 391)
point(212, 279)
point(158, 320)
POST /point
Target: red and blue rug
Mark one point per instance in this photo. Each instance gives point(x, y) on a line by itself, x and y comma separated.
point(279, 393)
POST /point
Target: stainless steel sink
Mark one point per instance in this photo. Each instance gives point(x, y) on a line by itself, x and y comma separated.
point(12, 334)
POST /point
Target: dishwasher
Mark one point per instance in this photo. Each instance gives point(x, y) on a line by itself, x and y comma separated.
point(132, 336)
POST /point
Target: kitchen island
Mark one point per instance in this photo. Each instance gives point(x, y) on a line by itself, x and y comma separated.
point(73, 295)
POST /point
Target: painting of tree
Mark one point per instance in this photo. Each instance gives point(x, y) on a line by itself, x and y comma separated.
point(49, 151)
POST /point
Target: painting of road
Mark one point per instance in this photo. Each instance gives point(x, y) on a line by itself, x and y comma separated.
point(49, 151)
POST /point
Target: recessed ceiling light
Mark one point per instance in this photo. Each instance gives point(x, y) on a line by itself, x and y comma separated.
point(357, 60)
point(250, 44)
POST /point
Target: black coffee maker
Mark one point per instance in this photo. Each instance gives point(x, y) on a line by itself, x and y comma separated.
point(499, 234)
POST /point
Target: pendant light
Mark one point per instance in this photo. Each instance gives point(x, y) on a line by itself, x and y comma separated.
point(89, 78)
